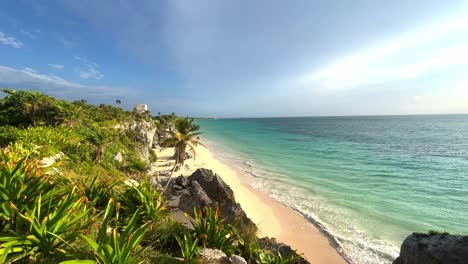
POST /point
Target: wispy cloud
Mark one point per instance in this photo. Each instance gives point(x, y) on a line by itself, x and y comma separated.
point(56, 66)
point(410, 56)
point(91, 72)
point(29, 78)
point(89, 69)
point(10, 41)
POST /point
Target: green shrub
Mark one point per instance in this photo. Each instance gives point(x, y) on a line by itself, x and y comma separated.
point(136, 165)
point(47, 228)
point(98, 192)
point(8, 134)
point(162, 235)
point(189, 247)
point(153, 156)
point(116, 245)
point(210, 230)
point(49, 140)
point(145, 197)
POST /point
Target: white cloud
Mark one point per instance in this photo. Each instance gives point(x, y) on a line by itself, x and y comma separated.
point(56, 66)
point(10, 41)
point(89, 69)
point(28, 78)
point(409, 56)
point(91, 72)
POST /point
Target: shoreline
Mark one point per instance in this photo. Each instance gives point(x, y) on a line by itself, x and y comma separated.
point(273, 218)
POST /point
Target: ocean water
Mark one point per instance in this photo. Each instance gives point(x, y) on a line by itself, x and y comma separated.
point(367, 181)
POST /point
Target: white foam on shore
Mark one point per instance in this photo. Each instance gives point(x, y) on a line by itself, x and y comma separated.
point(354, 245)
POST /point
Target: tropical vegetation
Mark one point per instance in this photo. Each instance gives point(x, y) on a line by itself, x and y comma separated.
point(66, 198)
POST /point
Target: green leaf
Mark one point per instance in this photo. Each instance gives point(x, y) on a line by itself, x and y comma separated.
point(78, 262)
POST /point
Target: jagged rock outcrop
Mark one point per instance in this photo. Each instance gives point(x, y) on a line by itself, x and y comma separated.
point(215, 256)
point(433, 249)
point(279, 248)
point(204, 188)
point(144, 136)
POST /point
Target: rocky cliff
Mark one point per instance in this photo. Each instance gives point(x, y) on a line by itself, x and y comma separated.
point(433, 249)
point(205, 188)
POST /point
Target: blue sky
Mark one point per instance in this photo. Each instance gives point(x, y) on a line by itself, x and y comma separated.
point(242, 58)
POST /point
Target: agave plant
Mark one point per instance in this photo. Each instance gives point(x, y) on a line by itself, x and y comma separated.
point(21, 182)
point(46, 228)
point(98, 192)
point(116, 245)
point(211, 231)
point(143, 195)
point(189, 247)
point(268, 257)
point(50, 139)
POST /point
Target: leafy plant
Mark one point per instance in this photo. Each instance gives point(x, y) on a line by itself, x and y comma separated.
point(136, 165)
point(21, 182)
point(115, 245)
point(100, 138)
point(268, 257)
point(50, 139)
point(162, 235)
point(47, 228)
point(188, 247)
point(146, 197)
point(98, 192)
point(208, 227)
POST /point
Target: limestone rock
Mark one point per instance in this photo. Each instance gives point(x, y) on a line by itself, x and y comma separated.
point(118, 157)
point(145, 131)
point(235, 259)
point(204, 188)
point(433, 249)
point(213, 254)
point(46, 162)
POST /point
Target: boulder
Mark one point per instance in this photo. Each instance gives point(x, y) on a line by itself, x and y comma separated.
point(235, 259)
point(204, 188)
point(118, 157)
point(216, 256)
point(213, 256)
point(433, 249)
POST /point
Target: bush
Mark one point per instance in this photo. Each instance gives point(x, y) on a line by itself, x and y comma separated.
point(115, 244)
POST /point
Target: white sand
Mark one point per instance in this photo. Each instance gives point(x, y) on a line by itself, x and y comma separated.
point(272, 218)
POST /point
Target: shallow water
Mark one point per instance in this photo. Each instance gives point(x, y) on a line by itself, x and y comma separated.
point(371, 181)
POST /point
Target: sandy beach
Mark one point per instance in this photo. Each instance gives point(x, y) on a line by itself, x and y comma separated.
point(272, 218)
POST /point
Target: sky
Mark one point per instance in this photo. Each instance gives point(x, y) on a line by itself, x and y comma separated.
point(242, 58)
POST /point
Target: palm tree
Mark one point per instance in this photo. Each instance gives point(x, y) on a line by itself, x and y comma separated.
point(118, 101)
point(183, 136)
point(100, 138)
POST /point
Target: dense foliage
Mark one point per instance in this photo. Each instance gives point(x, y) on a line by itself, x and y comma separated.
point(65, 198)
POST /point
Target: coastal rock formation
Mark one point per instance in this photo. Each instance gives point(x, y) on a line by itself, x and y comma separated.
point(204, 188)
point(433, 249)
point(144, 136)
point(279, 248)
point(215, 256)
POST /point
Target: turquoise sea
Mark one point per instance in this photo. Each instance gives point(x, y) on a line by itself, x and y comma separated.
point(368, 181)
